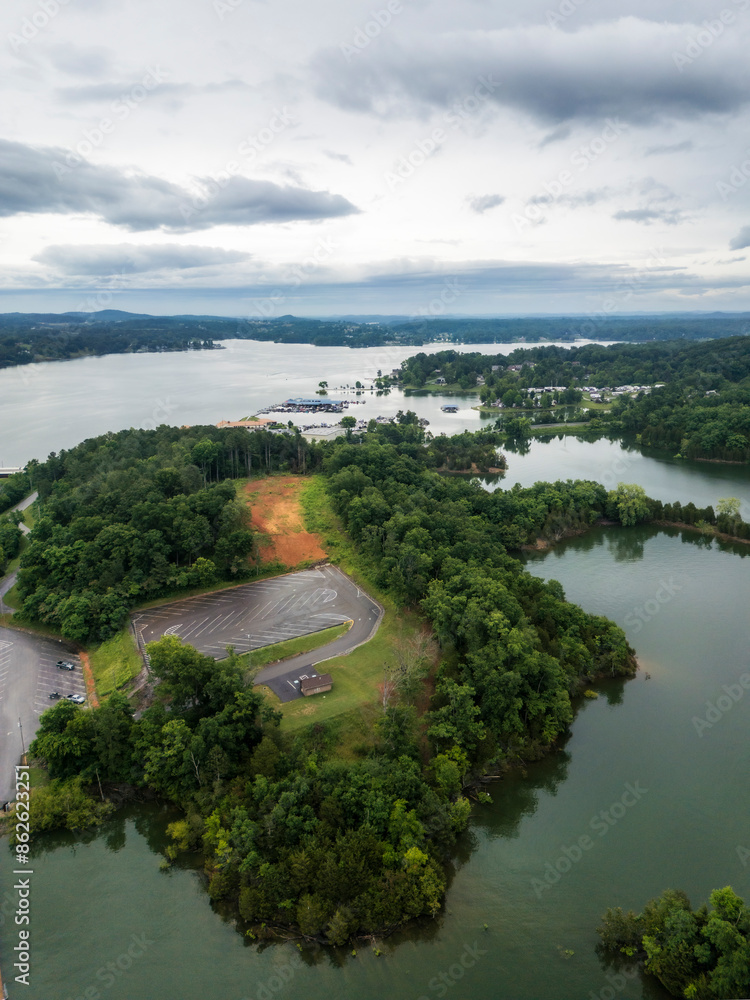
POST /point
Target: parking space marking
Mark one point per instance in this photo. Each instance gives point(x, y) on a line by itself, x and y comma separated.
point(191, 630)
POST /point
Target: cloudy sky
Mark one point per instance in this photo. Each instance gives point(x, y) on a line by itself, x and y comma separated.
point(261, 157)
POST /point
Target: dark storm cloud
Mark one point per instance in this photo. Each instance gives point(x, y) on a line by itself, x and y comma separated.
point(558, 134)
point(629, 68)
point(46, 180)
point(128, 258)
point(678, 147)
point(741, 240)
point(484, 202)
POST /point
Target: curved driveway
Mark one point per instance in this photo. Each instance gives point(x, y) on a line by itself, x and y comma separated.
point(254, 615)
point(365, 615)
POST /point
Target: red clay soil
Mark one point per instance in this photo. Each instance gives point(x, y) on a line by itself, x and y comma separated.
point(277, 513)
point(88, 676)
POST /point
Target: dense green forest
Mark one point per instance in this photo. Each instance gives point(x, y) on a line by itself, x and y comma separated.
point(292, 833)
point(701, 954)
point(33, 337)
point(702, 410)
point(570, 328)
point(26, 338)
point(10, 541)
point(127, 517)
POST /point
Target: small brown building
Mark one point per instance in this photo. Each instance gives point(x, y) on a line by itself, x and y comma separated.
point(316, 685)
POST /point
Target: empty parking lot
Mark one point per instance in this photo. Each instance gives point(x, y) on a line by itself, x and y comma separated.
point(257, 614)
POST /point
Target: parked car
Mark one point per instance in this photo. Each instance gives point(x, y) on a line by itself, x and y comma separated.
point(55, 695)
point(65, 665)
point(77, 699)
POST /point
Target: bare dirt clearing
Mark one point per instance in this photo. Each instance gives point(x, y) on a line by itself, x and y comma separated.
point(277, 513)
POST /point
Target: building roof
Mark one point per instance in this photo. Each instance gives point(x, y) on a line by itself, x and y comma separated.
point(321, 401)
point(260, 422)
point(315, 683)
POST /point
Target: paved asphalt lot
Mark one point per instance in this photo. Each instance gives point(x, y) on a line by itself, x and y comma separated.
point(267, 612)
point(28, 673)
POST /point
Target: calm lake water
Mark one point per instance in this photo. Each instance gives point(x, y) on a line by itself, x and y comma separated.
point(48, 407)
point(675, 794)
point(663, 799)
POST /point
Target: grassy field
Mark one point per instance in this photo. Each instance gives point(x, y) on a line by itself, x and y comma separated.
point(29, 516)
point(260, 658)
point(115, 662)
point(356, 679)
point(454, 387)
point(11, 598)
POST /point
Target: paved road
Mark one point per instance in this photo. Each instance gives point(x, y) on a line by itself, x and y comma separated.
point(27, 502)
point(22, 506)
point(27, 676)
point(5, 584)
point(270, 611)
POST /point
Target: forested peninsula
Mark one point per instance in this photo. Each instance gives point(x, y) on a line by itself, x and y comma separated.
point(345, 827)
point(332, 839)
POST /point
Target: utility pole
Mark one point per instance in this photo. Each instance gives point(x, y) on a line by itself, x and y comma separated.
point(23, 746)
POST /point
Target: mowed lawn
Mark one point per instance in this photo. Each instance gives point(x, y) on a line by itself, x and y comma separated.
point(357, 680)
point(358, 677)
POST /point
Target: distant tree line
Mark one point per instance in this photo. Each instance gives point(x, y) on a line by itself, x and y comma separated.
point(702, 411)
point(32, 337)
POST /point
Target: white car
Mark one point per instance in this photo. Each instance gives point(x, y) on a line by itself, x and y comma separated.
point(77, 699)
